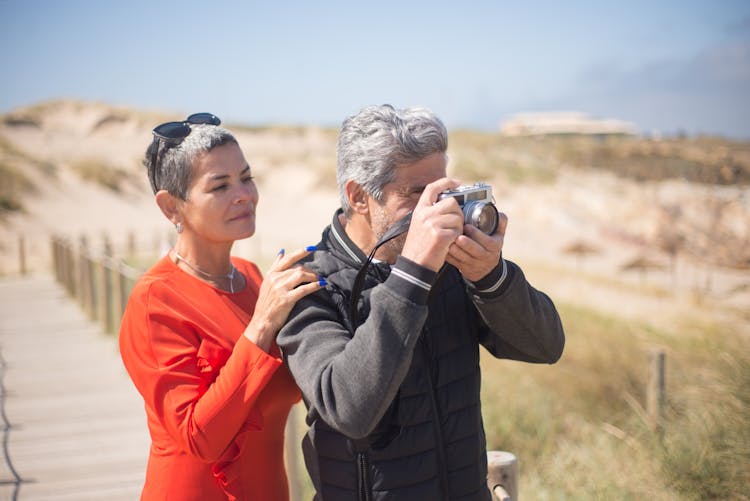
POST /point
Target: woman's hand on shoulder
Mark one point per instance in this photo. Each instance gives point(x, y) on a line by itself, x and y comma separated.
point(285, 283)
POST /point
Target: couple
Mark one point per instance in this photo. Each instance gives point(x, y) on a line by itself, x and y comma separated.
point(387, 362)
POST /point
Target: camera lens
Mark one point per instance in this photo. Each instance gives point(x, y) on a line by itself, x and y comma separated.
point(482, 215)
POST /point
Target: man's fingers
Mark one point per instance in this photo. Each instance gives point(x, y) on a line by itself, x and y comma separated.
point(466, 246)
point(475, 244)
point(502, 223)
point(431, 191)
point(457, 254)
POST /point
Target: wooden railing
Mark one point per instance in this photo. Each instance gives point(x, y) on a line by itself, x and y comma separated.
point(100, 283)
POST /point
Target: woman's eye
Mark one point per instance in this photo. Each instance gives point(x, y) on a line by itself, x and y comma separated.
point(248, 179)
point(220, 187)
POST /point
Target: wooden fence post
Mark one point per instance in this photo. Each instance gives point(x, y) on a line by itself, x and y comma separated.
point(22, 254)
point(656, 389)
point(119, 294)
point(291, 445)
point(92, 287)
point(62, 249)
point(131, 244)
point(69, 268)
point(60, 258)
point(98, 265)
point(83, 291)
point(55, 260)
point(125, 277)
point(105, 293)
point(502, 475)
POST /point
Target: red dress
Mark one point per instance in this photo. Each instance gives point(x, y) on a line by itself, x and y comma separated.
point(216, 404)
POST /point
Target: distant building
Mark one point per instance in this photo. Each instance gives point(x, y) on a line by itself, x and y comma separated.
point(564, 123)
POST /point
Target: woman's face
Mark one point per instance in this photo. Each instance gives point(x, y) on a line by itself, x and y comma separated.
point(222, 196)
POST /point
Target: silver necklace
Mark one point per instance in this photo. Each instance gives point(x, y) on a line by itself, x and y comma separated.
point(209, 276)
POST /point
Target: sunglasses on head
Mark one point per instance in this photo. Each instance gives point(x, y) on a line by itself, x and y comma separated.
point(173, 133)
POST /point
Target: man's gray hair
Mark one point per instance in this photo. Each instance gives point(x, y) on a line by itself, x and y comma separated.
point(174, 165)
point(378, 139)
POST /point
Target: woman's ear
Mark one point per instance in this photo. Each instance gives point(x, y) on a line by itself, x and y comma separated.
point(357, 197)
point(169, 206)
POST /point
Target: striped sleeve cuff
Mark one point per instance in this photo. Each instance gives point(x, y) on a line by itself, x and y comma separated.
point(493, 282)
point(411, 279)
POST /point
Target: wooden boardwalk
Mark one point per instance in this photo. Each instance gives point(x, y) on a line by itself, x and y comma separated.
point(73, 425)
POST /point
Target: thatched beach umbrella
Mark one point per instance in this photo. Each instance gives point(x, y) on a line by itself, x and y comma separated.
point(581, 249)
point(642, 263)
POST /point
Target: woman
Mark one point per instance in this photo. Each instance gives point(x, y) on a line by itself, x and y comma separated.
point(198, 334)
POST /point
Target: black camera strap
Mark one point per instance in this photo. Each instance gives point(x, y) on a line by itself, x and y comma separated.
point(398, 228)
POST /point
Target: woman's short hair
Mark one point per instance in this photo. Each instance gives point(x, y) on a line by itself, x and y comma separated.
point(378, 139)
point(174, 164)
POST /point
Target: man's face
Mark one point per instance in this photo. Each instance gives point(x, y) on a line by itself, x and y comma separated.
point(400, 196)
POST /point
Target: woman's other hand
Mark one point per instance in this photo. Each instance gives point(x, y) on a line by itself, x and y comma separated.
point(285, 283)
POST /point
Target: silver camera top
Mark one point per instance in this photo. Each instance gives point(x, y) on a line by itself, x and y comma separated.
point(469, 192)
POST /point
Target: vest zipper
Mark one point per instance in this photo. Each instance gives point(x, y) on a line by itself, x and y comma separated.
point(363, 466)
point(440, 445)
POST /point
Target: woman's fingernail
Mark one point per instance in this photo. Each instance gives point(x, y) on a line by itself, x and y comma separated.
point(311, 248)
point(322, 281)
point(281, 252)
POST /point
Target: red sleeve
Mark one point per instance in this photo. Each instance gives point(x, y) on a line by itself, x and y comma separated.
point(162, 352)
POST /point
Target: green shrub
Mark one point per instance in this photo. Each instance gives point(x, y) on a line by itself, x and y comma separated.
point(97, 171)
point(13, 185)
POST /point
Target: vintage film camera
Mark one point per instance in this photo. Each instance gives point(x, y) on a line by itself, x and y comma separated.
point(476, 202)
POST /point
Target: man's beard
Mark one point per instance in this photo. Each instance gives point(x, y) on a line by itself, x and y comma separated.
point(391, 250)
point(381, 223)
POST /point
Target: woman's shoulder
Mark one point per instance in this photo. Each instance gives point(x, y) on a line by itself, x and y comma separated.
point(163, 278)
point(160, 270)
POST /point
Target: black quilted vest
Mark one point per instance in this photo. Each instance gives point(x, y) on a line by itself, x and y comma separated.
point(430, 444)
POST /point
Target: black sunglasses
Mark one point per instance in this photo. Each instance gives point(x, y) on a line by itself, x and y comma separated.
point(172, 134)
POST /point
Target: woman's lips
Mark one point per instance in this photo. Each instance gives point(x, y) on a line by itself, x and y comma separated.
point(243, 215)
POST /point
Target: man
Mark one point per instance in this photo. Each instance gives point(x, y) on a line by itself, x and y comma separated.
point(392, 383)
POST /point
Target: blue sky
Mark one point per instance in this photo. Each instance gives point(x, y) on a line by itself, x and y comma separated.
point(666, 66)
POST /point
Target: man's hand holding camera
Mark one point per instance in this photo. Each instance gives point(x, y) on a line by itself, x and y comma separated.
point(437, 233)
point(434, 226)
point(475, 253)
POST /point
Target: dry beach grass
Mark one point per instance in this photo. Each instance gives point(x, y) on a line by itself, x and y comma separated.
point(641, 242)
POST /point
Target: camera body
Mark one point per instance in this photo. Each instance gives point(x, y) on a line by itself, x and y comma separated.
point(476, 202)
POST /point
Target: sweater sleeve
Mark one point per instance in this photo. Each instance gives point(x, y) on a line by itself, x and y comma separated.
point(200, 399)
point(520, 322)
point(351, 380)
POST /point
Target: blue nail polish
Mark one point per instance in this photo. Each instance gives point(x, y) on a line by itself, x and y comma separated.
point(281, 252)
point(311, 248)
point(322, 281)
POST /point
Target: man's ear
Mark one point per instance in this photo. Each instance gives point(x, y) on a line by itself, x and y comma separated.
point(357, 197)
point(169, 206)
